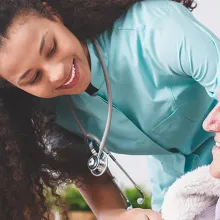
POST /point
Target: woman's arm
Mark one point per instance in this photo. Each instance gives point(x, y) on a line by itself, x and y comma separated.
point(106, 202)
point(103, 197)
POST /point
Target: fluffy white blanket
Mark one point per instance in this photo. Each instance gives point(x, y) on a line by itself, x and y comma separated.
point(190, 195)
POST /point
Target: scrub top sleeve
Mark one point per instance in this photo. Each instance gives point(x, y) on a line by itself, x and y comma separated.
point(186, 47)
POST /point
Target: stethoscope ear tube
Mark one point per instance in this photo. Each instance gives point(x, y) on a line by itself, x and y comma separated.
point(142, 198)
point(109, 92)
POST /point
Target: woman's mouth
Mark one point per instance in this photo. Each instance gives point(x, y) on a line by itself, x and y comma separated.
point(73, 77)
point(216, 147)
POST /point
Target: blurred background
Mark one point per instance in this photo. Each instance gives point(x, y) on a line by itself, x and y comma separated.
point(207, 13)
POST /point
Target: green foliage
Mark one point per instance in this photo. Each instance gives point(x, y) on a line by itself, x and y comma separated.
point(133, 195)
point(50, 200)
point(72, 197)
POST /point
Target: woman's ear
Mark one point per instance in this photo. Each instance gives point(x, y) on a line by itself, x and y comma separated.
point(52, 11)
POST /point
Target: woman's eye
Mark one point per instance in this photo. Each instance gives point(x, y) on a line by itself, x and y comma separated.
point(35, 78)
point(52, 51)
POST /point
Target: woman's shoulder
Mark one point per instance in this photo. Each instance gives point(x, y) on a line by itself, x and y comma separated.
point(148, 13)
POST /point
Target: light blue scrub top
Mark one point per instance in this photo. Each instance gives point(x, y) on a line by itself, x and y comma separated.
point(164, 67)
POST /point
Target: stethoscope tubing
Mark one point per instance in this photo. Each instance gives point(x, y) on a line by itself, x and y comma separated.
point(90, 137)
point(109, 92)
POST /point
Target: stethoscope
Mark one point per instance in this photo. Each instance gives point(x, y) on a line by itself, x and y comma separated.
point(98, 162)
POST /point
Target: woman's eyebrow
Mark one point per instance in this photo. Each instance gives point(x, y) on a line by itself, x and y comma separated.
point(42, 43)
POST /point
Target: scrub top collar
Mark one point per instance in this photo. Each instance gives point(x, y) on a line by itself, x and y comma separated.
point(97, 75)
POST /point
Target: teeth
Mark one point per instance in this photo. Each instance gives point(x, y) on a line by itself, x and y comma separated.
point(72, 77)
point(217, 144)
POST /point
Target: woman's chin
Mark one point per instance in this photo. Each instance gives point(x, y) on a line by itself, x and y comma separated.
point(215, 169)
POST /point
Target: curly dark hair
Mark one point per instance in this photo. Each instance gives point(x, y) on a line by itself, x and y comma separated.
point(35, 152)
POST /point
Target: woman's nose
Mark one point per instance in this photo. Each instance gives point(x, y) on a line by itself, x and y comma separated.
point(212, 121)
point(55, 72)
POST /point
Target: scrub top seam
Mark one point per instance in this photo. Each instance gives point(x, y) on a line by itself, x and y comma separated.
point(174, 100)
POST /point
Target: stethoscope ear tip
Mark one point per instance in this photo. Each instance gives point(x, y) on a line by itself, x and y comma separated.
point(140, 201)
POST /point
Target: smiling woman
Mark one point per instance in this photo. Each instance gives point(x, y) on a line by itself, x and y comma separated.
point(46, 51)
point(41, 64)
point(32, 42)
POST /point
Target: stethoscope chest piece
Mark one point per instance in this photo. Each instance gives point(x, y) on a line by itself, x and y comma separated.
point(98, 166)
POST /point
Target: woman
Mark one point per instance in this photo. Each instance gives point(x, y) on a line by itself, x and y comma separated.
point(195, 196)
point(159, 60)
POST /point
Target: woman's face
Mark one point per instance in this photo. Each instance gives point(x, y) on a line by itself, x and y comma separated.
point(212, 124)
point(44, 58)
